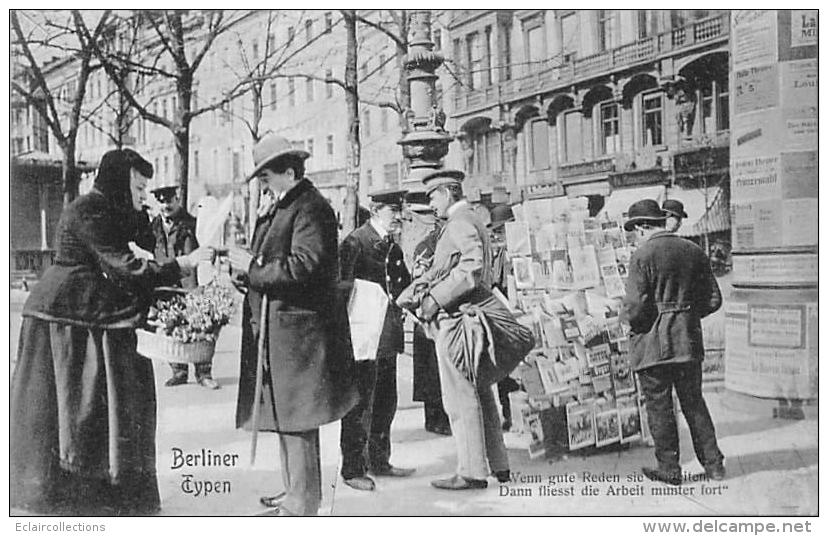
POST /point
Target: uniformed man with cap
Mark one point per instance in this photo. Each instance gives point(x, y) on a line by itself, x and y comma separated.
point(460, 274)
point(674, 210)
point(371, 253)
point(670, 288)
point(174, 230)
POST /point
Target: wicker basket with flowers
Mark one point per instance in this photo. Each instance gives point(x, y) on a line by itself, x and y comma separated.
point(184, 327)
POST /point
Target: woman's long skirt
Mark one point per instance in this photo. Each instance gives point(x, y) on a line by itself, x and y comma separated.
point(82, 431)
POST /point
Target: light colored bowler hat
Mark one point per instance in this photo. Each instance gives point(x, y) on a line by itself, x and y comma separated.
point(271, 148)
point(441, 177)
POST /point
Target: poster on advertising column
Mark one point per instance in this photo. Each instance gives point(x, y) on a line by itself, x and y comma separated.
point(755, 178)
point(754, 37)
point(771, 369)
point(756, 88)
point(804, 27)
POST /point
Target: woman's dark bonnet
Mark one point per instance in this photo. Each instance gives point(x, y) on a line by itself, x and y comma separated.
point(113, 176)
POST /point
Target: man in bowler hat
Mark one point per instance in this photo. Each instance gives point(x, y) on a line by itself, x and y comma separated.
point(371, 253)
point(291, 274)
point(175, 234)
point(670, 288)
point(674, 210)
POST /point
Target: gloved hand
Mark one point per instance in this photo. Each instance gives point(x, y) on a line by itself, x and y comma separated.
point(429, 308)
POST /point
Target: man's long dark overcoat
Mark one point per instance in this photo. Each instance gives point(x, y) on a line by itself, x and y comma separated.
point(309, 366)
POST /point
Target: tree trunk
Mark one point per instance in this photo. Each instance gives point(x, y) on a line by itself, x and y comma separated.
point(182, 148)
point(349, 216)
point(402, 51)
point(69, 172)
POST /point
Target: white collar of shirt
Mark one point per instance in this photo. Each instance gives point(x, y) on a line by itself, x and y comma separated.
point(452, 209)
point(378, 227)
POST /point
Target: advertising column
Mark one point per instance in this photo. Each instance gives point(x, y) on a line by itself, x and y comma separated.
point(771, 318)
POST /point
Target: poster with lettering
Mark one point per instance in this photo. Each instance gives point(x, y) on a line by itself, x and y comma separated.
point(755, 178)
point(754, 37)
point(804, 27)
point(756, 88)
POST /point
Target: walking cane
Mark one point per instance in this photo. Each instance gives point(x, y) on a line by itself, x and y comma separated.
point(257, 392)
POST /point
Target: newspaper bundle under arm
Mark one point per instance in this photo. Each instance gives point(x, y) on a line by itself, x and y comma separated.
point(210, 221)
point(366, 315)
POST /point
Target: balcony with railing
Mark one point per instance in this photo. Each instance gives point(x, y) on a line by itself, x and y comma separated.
point(551, 76)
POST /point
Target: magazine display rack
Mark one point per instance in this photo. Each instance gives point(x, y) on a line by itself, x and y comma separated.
point(568, 277)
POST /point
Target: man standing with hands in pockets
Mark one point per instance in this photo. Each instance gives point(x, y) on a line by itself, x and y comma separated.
point(307, 373)
point(669, 290)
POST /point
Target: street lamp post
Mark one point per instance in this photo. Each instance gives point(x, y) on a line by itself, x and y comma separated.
point(425, 141)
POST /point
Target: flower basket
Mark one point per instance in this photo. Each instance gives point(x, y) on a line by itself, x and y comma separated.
point(165, 348)
point(183, 326)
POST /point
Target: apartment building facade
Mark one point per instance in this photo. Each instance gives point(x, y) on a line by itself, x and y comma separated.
point(613, 105)
point(297, 102)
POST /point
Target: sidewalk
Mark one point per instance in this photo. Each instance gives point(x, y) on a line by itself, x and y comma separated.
point(772, 466)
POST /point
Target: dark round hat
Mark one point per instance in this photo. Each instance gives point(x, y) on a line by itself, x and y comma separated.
point(500, 214)
point(674, 207)
point(646, 210)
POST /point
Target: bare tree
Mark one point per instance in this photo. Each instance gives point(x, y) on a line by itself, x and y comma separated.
point(349, 219)
point(75, 41)
point(182, 39)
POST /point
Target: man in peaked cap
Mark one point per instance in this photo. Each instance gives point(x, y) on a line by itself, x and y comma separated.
point(371, 253)
point(175, 234)
point(292, 273)
point(674, 210)
point(670, 288)
point(460, 274)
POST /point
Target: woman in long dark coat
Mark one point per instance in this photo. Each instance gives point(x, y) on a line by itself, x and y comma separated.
point(82, 432)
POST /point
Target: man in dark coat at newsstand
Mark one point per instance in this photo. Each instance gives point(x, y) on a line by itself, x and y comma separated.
point(175, 234)
point(426, 372)
point(670, 288)
point(293, 269)
point(370, 253)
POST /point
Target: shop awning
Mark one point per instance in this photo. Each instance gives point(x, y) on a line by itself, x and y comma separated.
point(616, 205)
point(705, 214)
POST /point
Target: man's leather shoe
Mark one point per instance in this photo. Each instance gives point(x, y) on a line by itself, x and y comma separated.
point(715, 471)
point(177, 379)
point(502, 476)
point(272, 501)
point(441, 429)
point(674, 479)
point(390, 470)
point(458, 482)
point(361, 483)
point(279, 511)
point(208, 382)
